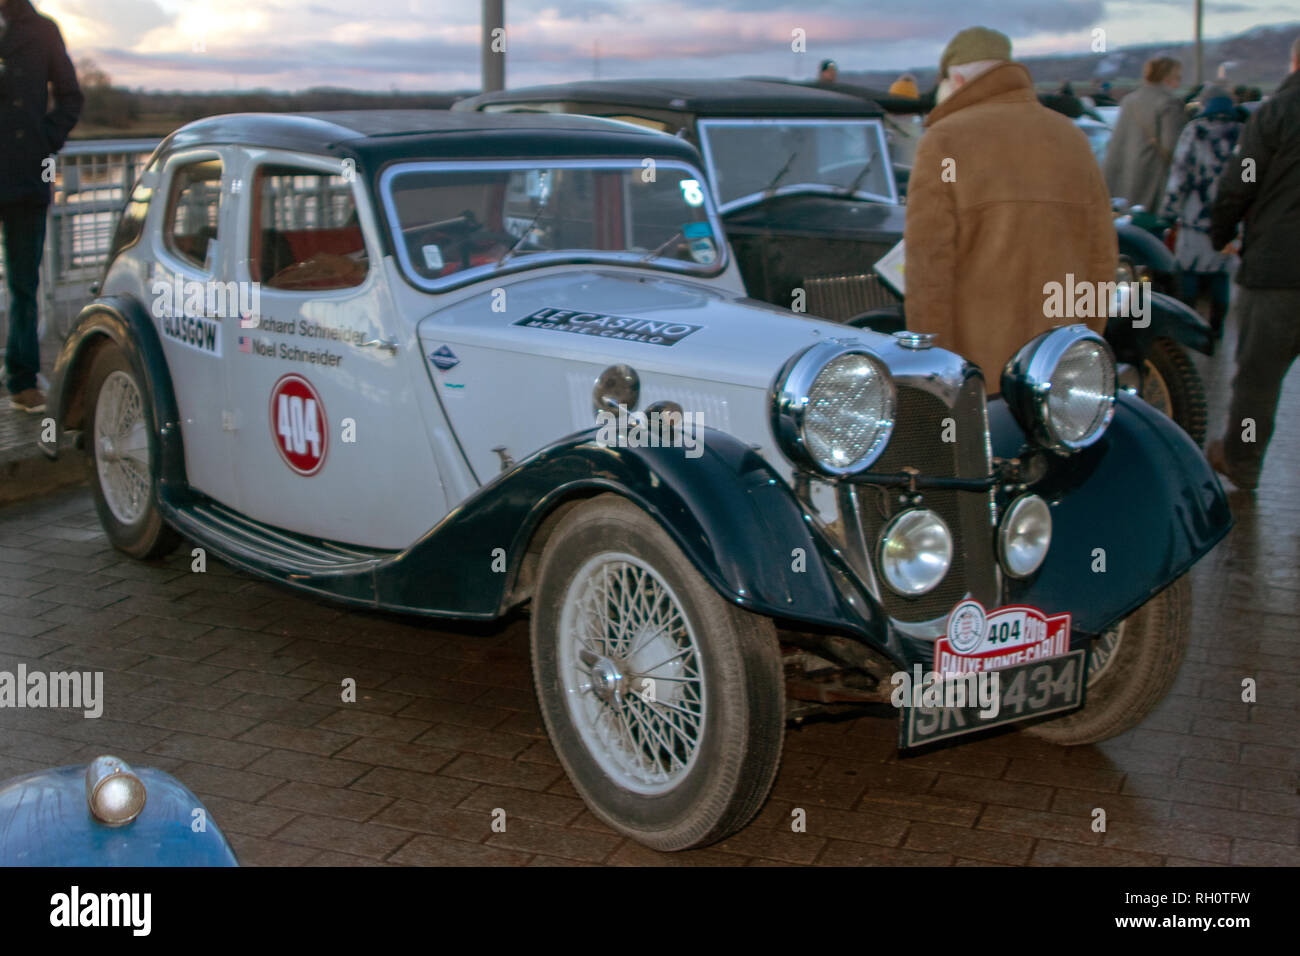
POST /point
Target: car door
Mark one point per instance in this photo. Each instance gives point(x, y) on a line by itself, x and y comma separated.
point(195, 319)
point(329, 440)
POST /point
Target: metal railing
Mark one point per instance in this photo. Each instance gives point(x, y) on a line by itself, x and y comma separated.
point(92, 180)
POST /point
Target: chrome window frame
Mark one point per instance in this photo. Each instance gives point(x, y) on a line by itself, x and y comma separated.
point(537, 260)
point(703, 127)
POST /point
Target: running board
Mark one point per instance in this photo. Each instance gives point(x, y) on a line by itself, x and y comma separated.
point(272, 551)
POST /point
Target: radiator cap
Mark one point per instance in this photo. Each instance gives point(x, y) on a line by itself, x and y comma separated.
point(915, 340)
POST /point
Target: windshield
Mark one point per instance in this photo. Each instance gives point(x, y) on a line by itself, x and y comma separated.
point(453, 223)
point(749, 159)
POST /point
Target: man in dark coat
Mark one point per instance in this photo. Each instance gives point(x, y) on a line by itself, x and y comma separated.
point(33, 61)
point(1260, 187)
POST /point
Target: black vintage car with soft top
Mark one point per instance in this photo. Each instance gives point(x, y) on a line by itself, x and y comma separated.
point(808, 194)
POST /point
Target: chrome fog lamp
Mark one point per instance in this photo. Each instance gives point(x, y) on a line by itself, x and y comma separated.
point(915, 552)
point(1025, 535)
point(833, 408)
point(1061, 388)
point(114, 793)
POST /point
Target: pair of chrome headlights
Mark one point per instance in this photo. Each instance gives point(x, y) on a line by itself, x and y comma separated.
point(915, 550)
point(833, 410)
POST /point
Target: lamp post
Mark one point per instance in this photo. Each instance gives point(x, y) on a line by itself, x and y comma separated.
point(1200, 55)
point(494, 45)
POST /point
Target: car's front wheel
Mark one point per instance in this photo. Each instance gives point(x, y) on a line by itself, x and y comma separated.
point(1171, 384)
point(665, 704)
point(122, 458)
point(1130, 670)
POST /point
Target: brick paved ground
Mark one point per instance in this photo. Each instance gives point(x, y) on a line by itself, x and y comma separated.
point(232, 685)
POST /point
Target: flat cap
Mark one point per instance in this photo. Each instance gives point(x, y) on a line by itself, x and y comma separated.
point(972, 45)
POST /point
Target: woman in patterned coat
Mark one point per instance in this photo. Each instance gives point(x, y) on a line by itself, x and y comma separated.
point(1204, 147)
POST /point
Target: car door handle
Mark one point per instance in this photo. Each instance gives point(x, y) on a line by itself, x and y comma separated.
point(387, 345)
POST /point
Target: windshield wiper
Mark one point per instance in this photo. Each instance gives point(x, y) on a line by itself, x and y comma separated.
point(780, 175)
point(852, 187)
point(653, 253)
point(524, 235)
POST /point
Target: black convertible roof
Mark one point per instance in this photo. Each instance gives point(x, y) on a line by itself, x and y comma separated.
point(703, 97)
point(380, 135)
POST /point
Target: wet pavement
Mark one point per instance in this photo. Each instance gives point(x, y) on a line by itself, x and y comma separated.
point(233, 685)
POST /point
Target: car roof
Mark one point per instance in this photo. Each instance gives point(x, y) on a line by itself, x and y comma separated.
point(703, 97)
point(404, 134)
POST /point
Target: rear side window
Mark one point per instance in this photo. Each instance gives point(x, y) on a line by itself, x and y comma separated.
point(305, 231)
point(193, 211)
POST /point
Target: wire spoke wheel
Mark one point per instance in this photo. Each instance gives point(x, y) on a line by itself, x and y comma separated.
point(633, 673)
point(665, 702)
point(122, 458)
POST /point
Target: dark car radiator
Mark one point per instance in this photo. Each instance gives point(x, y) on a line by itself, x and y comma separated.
point(918, 443)
point(841, 297)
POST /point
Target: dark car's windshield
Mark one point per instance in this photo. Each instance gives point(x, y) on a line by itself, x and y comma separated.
point(452, 222)
point(750, 158)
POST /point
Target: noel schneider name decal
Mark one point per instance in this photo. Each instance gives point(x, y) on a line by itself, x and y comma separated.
point(609, 326)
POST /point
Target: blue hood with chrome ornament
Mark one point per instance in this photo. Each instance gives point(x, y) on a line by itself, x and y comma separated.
point(45, 821)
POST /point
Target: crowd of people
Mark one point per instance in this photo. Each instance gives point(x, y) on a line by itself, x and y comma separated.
point(1003, 187)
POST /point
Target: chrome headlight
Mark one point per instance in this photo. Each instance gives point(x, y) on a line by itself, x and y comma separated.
point(1061, 388)
point(915, 552)
point(833, 408)
point(1025, 536)
point(114, 794)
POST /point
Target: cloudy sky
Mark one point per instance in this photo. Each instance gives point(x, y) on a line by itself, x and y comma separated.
point(433, 44)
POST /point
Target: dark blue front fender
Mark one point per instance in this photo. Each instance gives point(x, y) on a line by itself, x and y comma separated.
point(1170, 319)
point(1143, 500)
point(733, 515)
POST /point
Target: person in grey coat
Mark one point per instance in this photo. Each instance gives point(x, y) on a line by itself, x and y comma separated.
point(1142, 146)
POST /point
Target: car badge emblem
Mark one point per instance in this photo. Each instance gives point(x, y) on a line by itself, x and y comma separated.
point(444, 358)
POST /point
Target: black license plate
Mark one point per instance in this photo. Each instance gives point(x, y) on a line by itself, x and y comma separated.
point(1051, 686)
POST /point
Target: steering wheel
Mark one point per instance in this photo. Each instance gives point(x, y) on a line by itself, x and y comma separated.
point(464, 232)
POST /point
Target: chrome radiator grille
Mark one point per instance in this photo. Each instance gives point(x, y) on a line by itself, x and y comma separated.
point(918, 443)
point(841, 297)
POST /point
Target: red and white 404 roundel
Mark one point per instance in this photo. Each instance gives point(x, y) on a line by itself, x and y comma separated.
point(298, 424)
point(979, 640)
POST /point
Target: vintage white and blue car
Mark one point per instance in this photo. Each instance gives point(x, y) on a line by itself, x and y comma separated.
point(453, 364)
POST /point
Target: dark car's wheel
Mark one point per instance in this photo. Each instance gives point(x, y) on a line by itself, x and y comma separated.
point(1130, 670)
point(1171, 384)
point(122, 458)
point(665, 704)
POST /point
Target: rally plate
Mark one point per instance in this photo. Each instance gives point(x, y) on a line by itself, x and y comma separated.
point(1035, 689)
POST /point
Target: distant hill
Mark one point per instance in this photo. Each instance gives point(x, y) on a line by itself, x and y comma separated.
point(1259, 57)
